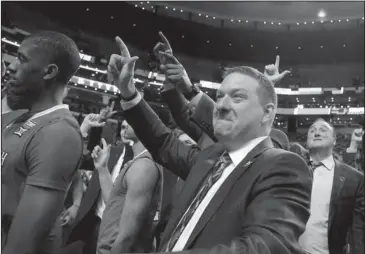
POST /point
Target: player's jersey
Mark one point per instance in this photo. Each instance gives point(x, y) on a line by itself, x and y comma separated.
point(29, 157)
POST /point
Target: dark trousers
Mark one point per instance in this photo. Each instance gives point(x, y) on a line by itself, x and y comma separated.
point(86, 231)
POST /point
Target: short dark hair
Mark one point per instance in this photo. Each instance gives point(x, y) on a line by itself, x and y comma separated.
point(330, 124)
point(62, 50)
point(266, 90)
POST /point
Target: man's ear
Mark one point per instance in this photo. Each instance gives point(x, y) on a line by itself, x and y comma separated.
point(51, 72)
point(269, 113)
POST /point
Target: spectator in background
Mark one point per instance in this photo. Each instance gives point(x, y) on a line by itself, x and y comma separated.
point(82, 219)
point(132, 199)
point(41, 149)
point(337, 203)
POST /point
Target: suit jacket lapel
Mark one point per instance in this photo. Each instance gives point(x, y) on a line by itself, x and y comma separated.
point(338, 182)
point(192, 185)
point(226, 187)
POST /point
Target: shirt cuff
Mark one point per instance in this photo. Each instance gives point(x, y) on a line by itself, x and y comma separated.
point(130, 104)
point(196, 99)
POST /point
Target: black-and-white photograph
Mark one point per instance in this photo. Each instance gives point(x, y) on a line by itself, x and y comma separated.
point(188, 127)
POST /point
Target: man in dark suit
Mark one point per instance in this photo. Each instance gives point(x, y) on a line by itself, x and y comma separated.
point(241, 194)
point(337, 205)
point(192, 109)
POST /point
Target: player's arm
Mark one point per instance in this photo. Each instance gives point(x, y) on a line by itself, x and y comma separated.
point(141, 181)
point(106, 183)
point(52, 156)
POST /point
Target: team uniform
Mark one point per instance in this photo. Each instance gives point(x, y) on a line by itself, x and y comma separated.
point(109, 227)
point(43, 151)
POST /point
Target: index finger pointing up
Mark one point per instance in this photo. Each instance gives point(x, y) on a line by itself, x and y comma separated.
point(277, 61)
point(164, 39)
point(122, 47)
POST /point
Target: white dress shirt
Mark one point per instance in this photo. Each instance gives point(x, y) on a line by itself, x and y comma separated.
point(236, 157)
point(115, 172)
point(314, 240)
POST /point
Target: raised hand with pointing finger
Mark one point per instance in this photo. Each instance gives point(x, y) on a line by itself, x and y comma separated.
point(272, 71)
point(121, 70)
point(101, 155)
point(162, 47)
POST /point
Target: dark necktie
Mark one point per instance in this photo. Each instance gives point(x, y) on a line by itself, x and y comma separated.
point(209, 181)
point(312, 165)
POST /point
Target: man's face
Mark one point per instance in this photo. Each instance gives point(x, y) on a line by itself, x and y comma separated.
point(238, 113)
point(320, 135)
point(26, 74)
point(127, 133)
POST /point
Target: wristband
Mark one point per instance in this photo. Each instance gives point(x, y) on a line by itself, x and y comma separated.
point(130, 98)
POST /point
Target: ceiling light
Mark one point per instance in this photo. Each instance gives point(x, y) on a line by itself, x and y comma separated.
point(321, 21)
point(347, 20)
point(141, 2)
point(148, 2)
point(264, 22)
point(299, 47)
point(339, 20)
point(200, 14)
point(231, 20)
point(239, 21)
point(134, 24)
point(279, 23)
point(362, 18)
point(87, 9)
point(321, 47)
point(246, 21)
point(277, 47)
point(312, 22)
point(134, 6)
point(166, 7)
point(331, 21)
point(142, 8)
point(213, 17)
point(174, 9)
point(181, 11)
point(344, 45)
point(206, 16)
point(305, 23)
point(112, 17)
point(251, 45)
point(321, 14)
point(297, 24)
point(208, 41)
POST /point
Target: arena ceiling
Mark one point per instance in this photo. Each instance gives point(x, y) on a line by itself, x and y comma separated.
point(271, 11)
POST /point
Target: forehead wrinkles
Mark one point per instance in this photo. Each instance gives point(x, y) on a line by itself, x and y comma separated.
point(238, 81)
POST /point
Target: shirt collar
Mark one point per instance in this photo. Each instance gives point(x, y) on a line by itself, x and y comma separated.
point(329, 162)
point(50, 110)
point(238, 155)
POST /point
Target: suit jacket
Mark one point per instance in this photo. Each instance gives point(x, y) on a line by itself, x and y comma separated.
point(262, 207)
point(346, 212)
point(182, 113)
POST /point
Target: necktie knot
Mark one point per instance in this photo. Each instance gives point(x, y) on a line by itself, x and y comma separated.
point(313, 165)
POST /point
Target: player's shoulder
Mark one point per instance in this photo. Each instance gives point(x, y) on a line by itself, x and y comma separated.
point(63, 125)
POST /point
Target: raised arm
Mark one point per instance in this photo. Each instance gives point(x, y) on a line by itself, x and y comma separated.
point(52, 156)
point(164, 146)
point(141, 179)
point(101, 156)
